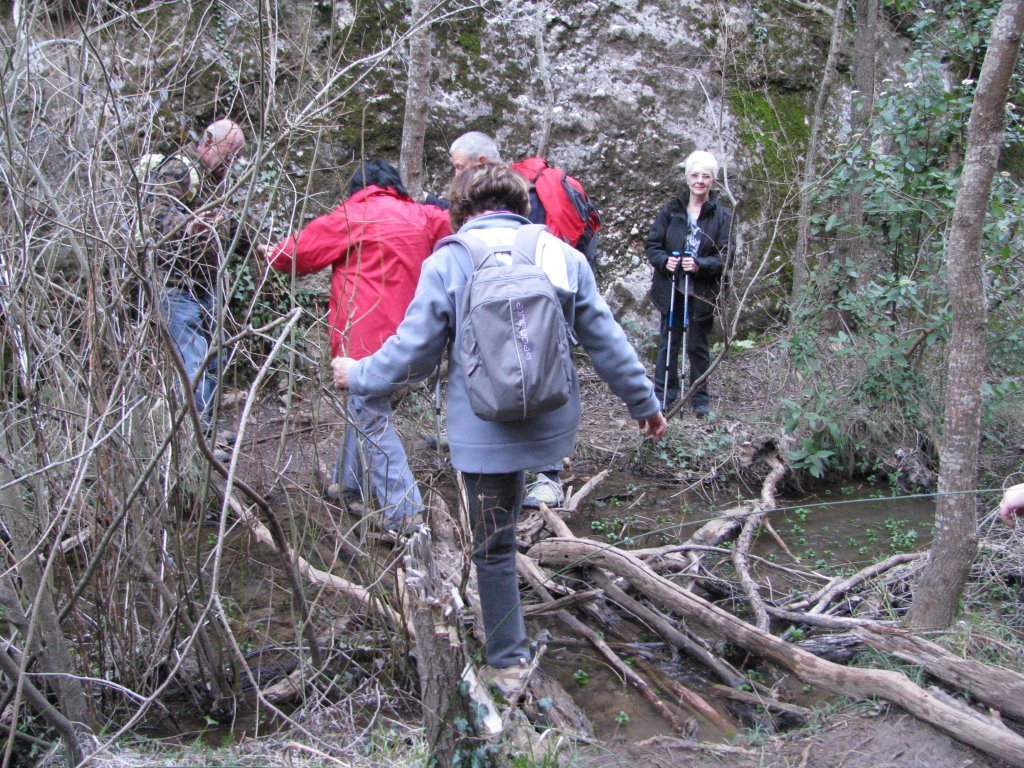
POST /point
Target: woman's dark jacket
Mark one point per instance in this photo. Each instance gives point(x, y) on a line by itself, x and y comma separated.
point(668, 234)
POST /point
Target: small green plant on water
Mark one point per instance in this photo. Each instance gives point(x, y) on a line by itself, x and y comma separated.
point(613, 528)
point(622, 719)
point(901, 538)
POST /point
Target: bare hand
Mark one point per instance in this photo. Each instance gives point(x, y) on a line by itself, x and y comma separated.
point(340, 366)
point(1012, 504)
point(263, 250)
point(654, 427)
point(207, 221)
point(689, 264)
point(672, 263)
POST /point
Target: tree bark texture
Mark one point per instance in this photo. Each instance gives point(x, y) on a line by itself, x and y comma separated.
point(942, 583)
point(417, 95)
point(434, 612)
point(1002, 689)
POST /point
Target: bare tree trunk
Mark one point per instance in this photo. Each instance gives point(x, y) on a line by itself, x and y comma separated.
point(433, 608)
point(417, 95)
point(800, 268)
point(942, 583)
point(854, 246)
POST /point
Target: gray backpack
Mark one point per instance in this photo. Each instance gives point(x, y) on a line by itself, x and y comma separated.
point(513, 338)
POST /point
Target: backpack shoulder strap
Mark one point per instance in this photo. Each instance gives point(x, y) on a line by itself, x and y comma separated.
point(524, 249)
point(478, 250)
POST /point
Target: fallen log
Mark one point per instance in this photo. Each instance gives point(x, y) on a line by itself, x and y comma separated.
point(691, 699)
point(688, 698)
point(821, 599)
point(856, 683)
point(825, 621)
point(674, 637)
point(613, 659)
point(745, 539)
point(799, 715)
point(434, 608)
point(998, 687)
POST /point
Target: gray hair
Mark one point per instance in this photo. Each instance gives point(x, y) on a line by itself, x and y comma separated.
point(475, 145)
point(701, 159)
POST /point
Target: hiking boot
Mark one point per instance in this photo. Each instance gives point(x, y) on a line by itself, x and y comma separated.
point(226, 437)
point(351, 500)
point(508, 681)
point(405, 526)
point(543, 490)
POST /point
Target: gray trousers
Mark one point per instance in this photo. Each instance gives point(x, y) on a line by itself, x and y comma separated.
point(494, 504)
point(371, 442)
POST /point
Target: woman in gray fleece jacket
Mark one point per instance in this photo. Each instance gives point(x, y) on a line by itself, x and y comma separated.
point(491, 201)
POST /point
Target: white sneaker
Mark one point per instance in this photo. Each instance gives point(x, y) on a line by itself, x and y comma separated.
point(508, 681)
point(543, 490)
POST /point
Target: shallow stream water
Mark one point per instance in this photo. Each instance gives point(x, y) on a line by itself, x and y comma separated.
point(835, 528)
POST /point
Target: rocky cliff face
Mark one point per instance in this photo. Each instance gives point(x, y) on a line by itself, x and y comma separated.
point(622, 90)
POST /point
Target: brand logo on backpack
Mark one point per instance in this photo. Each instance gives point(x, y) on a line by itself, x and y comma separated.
point(519, 311)
point(511, 332)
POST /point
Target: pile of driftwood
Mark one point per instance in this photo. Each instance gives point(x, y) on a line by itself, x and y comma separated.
point(665, 589)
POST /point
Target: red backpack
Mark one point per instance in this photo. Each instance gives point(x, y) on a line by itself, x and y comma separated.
point(568, 212)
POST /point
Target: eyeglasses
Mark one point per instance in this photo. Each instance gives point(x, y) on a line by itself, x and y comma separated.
point(700, 176)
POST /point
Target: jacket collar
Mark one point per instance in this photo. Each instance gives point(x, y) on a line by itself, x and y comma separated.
point(373, 190)
point(683, 198)
point(495, 220)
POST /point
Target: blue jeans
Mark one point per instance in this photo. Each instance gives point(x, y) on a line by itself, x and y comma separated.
point(190, 319)
point(371, 442)
point(494, 504)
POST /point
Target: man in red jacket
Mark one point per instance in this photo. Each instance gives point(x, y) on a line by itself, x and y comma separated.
point(375, 243)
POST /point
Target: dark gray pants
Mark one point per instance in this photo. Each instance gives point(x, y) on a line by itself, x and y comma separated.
point(698, 350)
point(494, 504)
point(372, 443)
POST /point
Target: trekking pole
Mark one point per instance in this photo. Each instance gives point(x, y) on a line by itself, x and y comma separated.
point(671, 322)
point(686, 326)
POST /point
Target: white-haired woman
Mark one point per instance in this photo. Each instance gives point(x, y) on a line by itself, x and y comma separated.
point(688, 246)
